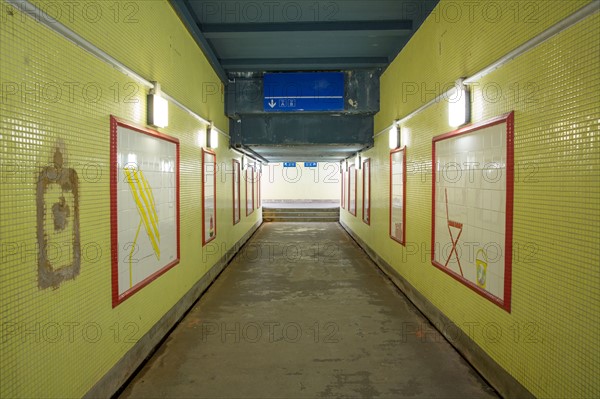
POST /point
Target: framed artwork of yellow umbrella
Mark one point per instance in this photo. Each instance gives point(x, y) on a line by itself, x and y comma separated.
point(144, 183)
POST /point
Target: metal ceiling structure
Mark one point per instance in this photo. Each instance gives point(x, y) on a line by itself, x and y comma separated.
point(244, 39)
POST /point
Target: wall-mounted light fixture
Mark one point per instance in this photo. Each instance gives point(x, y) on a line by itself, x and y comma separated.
point(394, 136)
point(158, 107)
point(357, 162)
point(459, 105)
point(212, 136)
point(345, 165)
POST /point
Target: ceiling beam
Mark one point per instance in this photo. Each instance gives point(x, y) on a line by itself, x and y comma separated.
point(250, 64)
point(314, 26)
point(322, 35)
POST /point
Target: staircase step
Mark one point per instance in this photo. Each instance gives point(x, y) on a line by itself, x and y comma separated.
point(309, 210)
point(300, 219)
point(294, 214)
point(330, 214)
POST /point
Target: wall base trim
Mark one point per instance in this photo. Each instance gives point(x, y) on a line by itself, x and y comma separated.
point(118, 375)
point(504, 383)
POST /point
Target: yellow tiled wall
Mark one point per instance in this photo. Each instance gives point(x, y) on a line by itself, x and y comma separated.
point(60, 342)
point(549, 341)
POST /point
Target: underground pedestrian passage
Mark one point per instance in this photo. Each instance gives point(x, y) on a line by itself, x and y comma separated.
point(302, 312)
point(299, 199)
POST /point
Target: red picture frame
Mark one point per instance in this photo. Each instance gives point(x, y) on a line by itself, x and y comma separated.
point(249, 189)
point(205, 239)
point(366, 200)
point(402, 239)
point(343, 196)
point(352, 168)
point(258, 199)
point(237, 177)
point(508, 118)
point(115, 123)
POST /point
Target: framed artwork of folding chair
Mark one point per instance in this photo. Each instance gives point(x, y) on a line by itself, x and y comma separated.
point(472, 206)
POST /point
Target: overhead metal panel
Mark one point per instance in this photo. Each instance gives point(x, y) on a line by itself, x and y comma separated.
point(292, 129)
point(361, 94)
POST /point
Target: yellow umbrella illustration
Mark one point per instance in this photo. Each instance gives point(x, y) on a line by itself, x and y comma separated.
point(481, 263)
point(144, 200)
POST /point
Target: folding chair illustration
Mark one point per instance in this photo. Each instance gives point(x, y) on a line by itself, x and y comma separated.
point(459, 226)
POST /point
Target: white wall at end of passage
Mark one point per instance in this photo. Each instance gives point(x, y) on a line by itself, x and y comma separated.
point(301, 182)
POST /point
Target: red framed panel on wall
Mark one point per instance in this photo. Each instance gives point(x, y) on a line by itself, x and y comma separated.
point(472, 206)
point(144, 206)
point(257, 177)
point(366, 208)
point(352, 176)
point(209, 193)
point(343, 198)
point(237, 209)
point(397, 227)
point(249, 190)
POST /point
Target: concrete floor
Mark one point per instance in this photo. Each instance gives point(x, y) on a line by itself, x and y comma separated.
point(302, 312)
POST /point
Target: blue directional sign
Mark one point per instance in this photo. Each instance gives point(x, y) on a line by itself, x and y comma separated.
point(303, 91)
point(289, 164)
point(310, 164)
